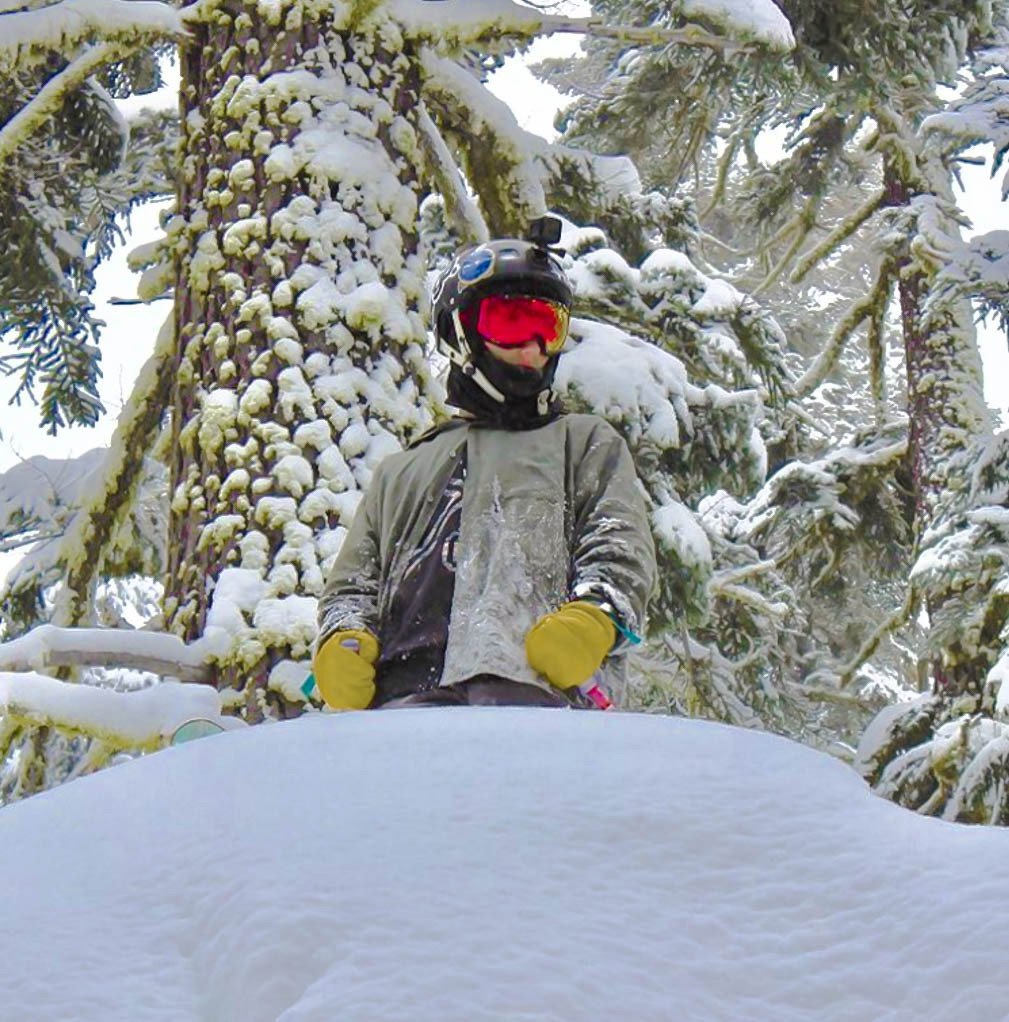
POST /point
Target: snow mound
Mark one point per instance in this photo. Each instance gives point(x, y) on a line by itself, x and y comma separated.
point(488, 864)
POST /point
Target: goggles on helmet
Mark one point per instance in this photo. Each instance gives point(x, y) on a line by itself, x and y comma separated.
point(514, 320)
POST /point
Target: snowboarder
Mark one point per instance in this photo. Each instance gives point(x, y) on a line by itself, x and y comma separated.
point(505, 556)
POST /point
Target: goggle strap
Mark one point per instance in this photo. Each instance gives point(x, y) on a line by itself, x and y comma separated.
point(466, 365)
point(485, 385)
point(455, 351)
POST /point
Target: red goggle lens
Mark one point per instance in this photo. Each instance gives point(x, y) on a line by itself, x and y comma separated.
point(514, 320)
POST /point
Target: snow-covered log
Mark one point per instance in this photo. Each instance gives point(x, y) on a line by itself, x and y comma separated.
point(50, 646)
point(137, 720)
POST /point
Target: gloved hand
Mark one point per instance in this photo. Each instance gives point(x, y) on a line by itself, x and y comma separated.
point(568, 645)
point(345, 675)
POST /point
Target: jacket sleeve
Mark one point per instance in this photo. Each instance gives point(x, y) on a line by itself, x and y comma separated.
point(613, 553)
point(351, 596)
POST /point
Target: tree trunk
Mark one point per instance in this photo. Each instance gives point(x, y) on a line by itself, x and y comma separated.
point(946, 410)
point(299, 358)
point(912, 756)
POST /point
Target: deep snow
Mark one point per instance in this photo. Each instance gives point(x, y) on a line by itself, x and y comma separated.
point(485, 864)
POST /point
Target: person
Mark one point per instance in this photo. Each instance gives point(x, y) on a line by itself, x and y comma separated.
point(505, 557)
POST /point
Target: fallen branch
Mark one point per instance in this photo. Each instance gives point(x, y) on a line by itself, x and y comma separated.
point(140, 720)
point(48, 646)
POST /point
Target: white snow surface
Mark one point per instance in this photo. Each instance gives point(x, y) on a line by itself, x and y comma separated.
point(486, 864)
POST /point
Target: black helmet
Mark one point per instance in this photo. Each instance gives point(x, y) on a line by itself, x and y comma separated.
point(506, 266)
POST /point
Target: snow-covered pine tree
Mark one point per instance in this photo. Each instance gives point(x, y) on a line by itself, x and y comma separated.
point(948, 751)
point(861, 165)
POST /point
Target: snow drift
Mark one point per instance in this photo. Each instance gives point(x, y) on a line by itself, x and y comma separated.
point(484, 864)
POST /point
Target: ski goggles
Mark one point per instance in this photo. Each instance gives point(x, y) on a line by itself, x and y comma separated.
point(514, 320)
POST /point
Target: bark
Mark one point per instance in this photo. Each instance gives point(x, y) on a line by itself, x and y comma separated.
point(277, 415)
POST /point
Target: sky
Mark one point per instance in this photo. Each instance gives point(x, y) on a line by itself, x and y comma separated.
point(477, 864)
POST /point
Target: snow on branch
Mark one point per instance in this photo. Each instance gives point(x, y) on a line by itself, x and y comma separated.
point(459, 23)
point(48, 646)
point(107, 31)
point(980, 112)
point(38, 494)
point(141, 719)
point(28, 37)
point(106, 503)
point(979, 269)
point(50, 97)
point(509, 185)
point(509, 166)
point(461, 211)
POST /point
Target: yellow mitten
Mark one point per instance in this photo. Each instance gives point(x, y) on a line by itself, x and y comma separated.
point(345, 675)
point(568, 645)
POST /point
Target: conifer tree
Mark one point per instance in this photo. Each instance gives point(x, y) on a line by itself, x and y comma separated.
point(864, 171)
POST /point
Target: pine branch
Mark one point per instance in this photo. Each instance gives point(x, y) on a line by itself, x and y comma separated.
point(9, 544)
point(773, 609)
point(736, 576)
point(871, 644)
point(721, 179)
point(832, 696)
point(460, 210)
point(84, 543)
point(837, 237)
point(497, 151)
point(827, 359)
point(649, 35)
point(802, 224)
point(50, 97)
point(167, 296)
point(875, 344)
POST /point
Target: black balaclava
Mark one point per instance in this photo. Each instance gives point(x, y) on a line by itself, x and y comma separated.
point(530, 403)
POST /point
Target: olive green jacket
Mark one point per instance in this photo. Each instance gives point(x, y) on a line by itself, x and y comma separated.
point(548, 515)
